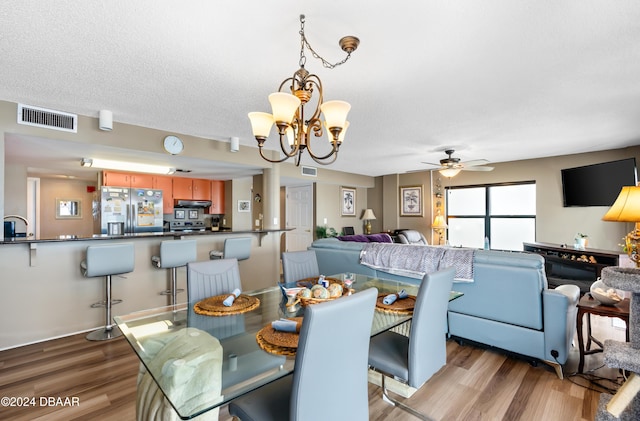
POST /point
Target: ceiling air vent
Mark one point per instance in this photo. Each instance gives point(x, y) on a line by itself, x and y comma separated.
point(310, 171)
point(49, 119)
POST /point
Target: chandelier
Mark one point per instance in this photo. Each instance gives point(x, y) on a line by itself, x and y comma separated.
point(294, 127)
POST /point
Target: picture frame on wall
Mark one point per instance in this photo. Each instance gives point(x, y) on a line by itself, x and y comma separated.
point(244, 206)
point(347, 201)
point(411, 201)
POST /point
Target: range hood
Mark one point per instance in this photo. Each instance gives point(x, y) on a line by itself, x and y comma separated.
point(184, 203)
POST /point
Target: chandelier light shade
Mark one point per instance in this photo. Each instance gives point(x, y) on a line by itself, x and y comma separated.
point(295, 124)
point(261, 124)
point(626, 208)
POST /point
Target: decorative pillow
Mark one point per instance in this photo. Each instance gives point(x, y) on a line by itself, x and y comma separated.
point(359, 238)
point(379, 238)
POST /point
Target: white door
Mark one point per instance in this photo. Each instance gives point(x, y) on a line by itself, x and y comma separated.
point(300, 217)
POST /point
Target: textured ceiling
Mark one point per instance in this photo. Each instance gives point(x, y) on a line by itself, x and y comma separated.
point(501, 80)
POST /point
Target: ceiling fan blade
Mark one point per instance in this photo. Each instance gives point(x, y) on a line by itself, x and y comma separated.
point(475, 162)
point(477, 168)
point(431, 163)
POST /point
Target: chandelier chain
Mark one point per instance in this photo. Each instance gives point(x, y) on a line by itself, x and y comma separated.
point(305, 43)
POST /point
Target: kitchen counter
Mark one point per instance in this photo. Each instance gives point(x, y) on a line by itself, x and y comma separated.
point(43, 282)
point(175, 234)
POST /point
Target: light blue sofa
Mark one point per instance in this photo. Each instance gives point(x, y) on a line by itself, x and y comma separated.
point(508, 305)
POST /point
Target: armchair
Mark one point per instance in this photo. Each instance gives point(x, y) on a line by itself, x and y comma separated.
point(412, 237)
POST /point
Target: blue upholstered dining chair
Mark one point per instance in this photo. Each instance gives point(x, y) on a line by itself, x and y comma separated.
point(298, 265)
point(212, 277)
point(329, 381)
point(206, 279)
point(414, 359)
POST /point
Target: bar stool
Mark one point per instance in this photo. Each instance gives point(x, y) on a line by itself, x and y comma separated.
point(175, 254)
point(234, 248)
point(114, 259)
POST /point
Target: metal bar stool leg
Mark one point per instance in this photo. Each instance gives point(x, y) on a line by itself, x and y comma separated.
point(110, 331)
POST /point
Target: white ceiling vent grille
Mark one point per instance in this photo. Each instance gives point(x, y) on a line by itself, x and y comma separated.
point(49, 119)
point(310, 171)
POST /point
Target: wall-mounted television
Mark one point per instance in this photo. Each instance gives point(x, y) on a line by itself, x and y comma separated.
point(598, 184)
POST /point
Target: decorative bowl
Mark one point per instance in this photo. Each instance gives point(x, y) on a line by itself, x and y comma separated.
point(606, 295)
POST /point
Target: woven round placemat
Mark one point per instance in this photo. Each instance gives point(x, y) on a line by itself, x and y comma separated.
point(213, 306)
point(277, 342)
point(399, 306)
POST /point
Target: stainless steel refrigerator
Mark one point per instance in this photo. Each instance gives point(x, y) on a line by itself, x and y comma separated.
point(130, 210)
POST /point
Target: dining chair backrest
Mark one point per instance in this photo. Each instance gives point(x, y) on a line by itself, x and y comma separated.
point(427, 343)
point(330, 376)
point(212, 277)
point(298, 265)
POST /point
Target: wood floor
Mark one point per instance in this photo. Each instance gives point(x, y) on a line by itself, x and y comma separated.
point(99, 380)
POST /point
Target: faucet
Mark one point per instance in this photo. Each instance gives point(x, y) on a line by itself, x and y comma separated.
point(23, 219)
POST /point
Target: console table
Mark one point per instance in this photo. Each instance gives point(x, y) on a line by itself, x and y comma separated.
point(567, 265)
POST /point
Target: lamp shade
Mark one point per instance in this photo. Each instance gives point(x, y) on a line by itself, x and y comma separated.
point(626, 208)
point(449, 172)
point(439, 222)
point(368, 214)
point(283, 106)
point(341, 135)
point(335, 113)
point(261, 124)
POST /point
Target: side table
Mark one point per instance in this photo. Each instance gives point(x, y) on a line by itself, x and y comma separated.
point(589, 305)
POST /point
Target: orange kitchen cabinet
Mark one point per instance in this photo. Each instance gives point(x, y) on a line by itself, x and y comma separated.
point(217, 197)
point(166, 185)
point(141, 181)
point(191, 188)
point(123, 179)
point(201, 189)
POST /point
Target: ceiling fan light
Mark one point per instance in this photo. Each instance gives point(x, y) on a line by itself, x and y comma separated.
point(283, 106)
point(261, 123)
point(449, 172)
point(335, 113)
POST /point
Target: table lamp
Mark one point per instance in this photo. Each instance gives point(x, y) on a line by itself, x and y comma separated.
point(439, 225)
point(626, 208)
point(367, 216)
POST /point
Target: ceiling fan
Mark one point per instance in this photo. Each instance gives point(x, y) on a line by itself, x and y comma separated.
point(451, 166)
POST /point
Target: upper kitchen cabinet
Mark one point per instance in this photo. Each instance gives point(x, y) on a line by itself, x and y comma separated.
point(191, 188)
point(121, 179)
point(166, 185)
point(217, 197)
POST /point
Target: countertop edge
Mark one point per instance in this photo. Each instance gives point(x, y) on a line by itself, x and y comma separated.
point(27, 240)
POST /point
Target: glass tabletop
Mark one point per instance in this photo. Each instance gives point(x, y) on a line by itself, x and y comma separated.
point(175, 341)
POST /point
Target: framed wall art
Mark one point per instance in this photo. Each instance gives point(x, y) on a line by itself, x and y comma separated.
point(347, 201)
point(411, 201)
point(244, 206)
point(68, 209)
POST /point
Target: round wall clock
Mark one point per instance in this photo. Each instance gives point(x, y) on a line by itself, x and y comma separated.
point(173, 145)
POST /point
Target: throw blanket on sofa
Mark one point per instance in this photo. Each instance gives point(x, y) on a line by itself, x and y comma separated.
point(414, 261)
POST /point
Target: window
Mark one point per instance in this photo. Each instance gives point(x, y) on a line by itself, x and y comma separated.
point(503, 213)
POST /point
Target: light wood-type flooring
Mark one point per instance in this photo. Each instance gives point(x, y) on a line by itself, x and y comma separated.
point(99, 380)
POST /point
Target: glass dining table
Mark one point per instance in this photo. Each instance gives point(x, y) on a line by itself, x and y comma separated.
point(245, 365)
